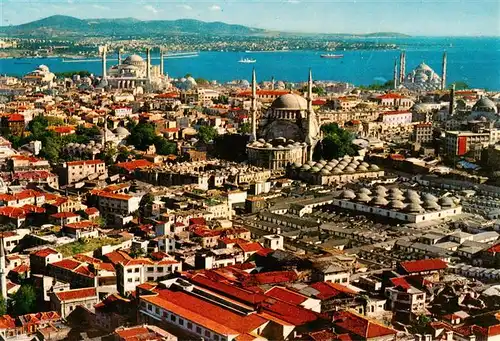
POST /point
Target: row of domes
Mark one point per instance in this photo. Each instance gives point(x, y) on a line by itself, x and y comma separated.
point(337, 166)
point(278, 143)
point(409, 200)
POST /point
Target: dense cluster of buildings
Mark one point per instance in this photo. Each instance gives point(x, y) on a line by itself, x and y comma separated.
point(254, 234)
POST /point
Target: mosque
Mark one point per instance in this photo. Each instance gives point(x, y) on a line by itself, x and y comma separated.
point(41, 76)
point(134, 72)
point(288, 131)
point(422, 78)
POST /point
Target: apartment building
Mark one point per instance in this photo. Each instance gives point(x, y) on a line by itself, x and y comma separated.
point(115, 206)
point(133, 272)
point(422, 133)
point(65, 302)
point(75, 171)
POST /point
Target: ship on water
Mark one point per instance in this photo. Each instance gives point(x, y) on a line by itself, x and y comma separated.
point(332, 56)
point(247, 61)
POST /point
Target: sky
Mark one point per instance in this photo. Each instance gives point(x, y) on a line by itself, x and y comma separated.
point(424, 17)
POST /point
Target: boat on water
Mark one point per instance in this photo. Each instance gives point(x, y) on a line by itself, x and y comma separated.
point(332, 56)
point(247, 61)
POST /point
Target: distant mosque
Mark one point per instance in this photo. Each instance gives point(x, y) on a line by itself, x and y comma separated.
point(422, 78)
point(288, 131)
point(134, 72)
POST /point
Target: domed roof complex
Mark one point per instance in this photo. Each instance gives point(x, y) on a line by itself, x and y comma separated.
point(485, 105)
point(290, 102)
point(423, 77)
point(133, 59)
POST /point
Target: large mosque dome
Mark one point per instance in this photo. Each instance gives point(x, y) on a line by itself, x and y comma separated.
point(485, 105)
point(290, 102)
point(134, 59)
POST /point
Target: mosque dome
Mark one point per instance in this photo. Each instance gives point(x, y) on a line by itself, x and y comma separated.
point(485, 104)
point(414, 208)
point(121, 131)
point(379, 201)
point(447, 202)
point(397, 204)
point(363, 197)
point(133, 59)
point(365, 190)
point(290, 102)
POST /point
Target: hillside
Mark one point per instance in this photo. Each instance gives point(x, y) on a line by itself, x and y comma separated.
point(59, 25)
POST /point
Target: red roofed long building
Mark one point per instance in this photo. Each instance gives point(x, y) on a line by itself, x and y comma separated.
point(79, 170)
point(66, 302)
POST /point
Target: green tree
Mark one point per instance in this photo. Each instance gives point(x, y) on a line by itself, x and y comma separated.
point(207, 133)
point(202, 81)
point(378, 86)
point(163, 146)
point(246, 128)
point(336, 143)
point(142, 136)
point(123, 155)
point(3, 306)
point(25, 300)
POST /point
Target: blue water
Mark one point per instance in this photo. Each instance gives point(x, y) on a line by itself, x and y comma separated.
point(475, 61)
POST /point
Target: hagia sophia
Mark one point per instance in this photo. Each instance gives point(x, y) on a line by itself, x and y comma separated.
point(287, 132)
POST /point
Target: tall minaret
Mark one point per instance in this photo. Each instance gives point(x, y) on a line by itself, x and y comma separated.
point(253, 108)
point(395, 74)
point(272, 83)
point(148, 64)
point(103, 50)
point(451, 109)
point(309, 139)
point(119, 56)
point(3, 271)
point(443, 76)
point(402, 67)
point(162, 70)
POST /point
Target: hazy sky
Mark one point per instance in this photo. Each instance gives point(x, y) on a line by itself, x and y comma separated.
point(424, 17)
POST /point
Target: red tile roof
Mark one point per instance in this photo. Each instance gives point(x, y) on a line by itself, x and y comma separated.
point(328, 290)
point(275, 277)
point(62, 215)
point(494, 248)
point(389, 96)
point(76, 294)
point(135, 164)
point(68, 264)
point(250, 247)
point(360, 327)
point(81, 225)
point(423, 265)
point(16, 118)
point(45, 252)
point(286, 295)
point(290, 313)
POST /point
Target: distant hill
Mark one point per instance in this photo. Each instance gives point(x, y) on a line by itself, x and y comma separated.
point(60, 25)
point(66, 26)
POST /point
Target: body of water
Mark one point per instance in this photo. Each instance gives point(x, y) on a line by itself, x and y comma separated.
point(475, 61)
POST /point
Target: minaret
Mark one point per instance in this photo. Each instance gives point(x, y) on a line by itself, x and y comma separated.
point(148, 64)
point(161, 62)
point(103, 50)
point(395, 74)
point(451, 109)
point(402, 67)
point(253, 108)
point(309, 139)
point(272, 83)
point(3, 271)
point(119, 56)
point(443, 76)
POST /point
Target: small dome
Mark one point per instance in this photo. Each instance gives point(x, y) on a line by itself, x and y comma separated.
point(336, 171)
point(328, 167)
point(323, 162)
point(414, 208)
point(363, 197)
point(428, 196)
point(431, 205)
point(310, 163)
point(121, 131)
point(365, 164)
point(365, 190)
point(374, 168)
point(349, 170)
point(379, 201)
point(396, 204)
point(314, 169)
point(261, 140)
point(297, 165)
point(396, 196)
point(446, 202)
point(306, 167)
point(133, 59)
point(325, 172)
point(348, 194)
point(362, 169)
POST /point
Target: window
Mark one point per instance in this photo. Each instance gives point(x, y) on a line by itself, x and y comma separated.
point(190, 325)
point(151, 269)
point(151, 279)
point(198, 330)
point(216, 337)
point(207, 333)
point(173, 318)
point(129, 280)
point(160, 269)
point(181, 322)
point(157, 310)
point(150, 307)
point(136, 270)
